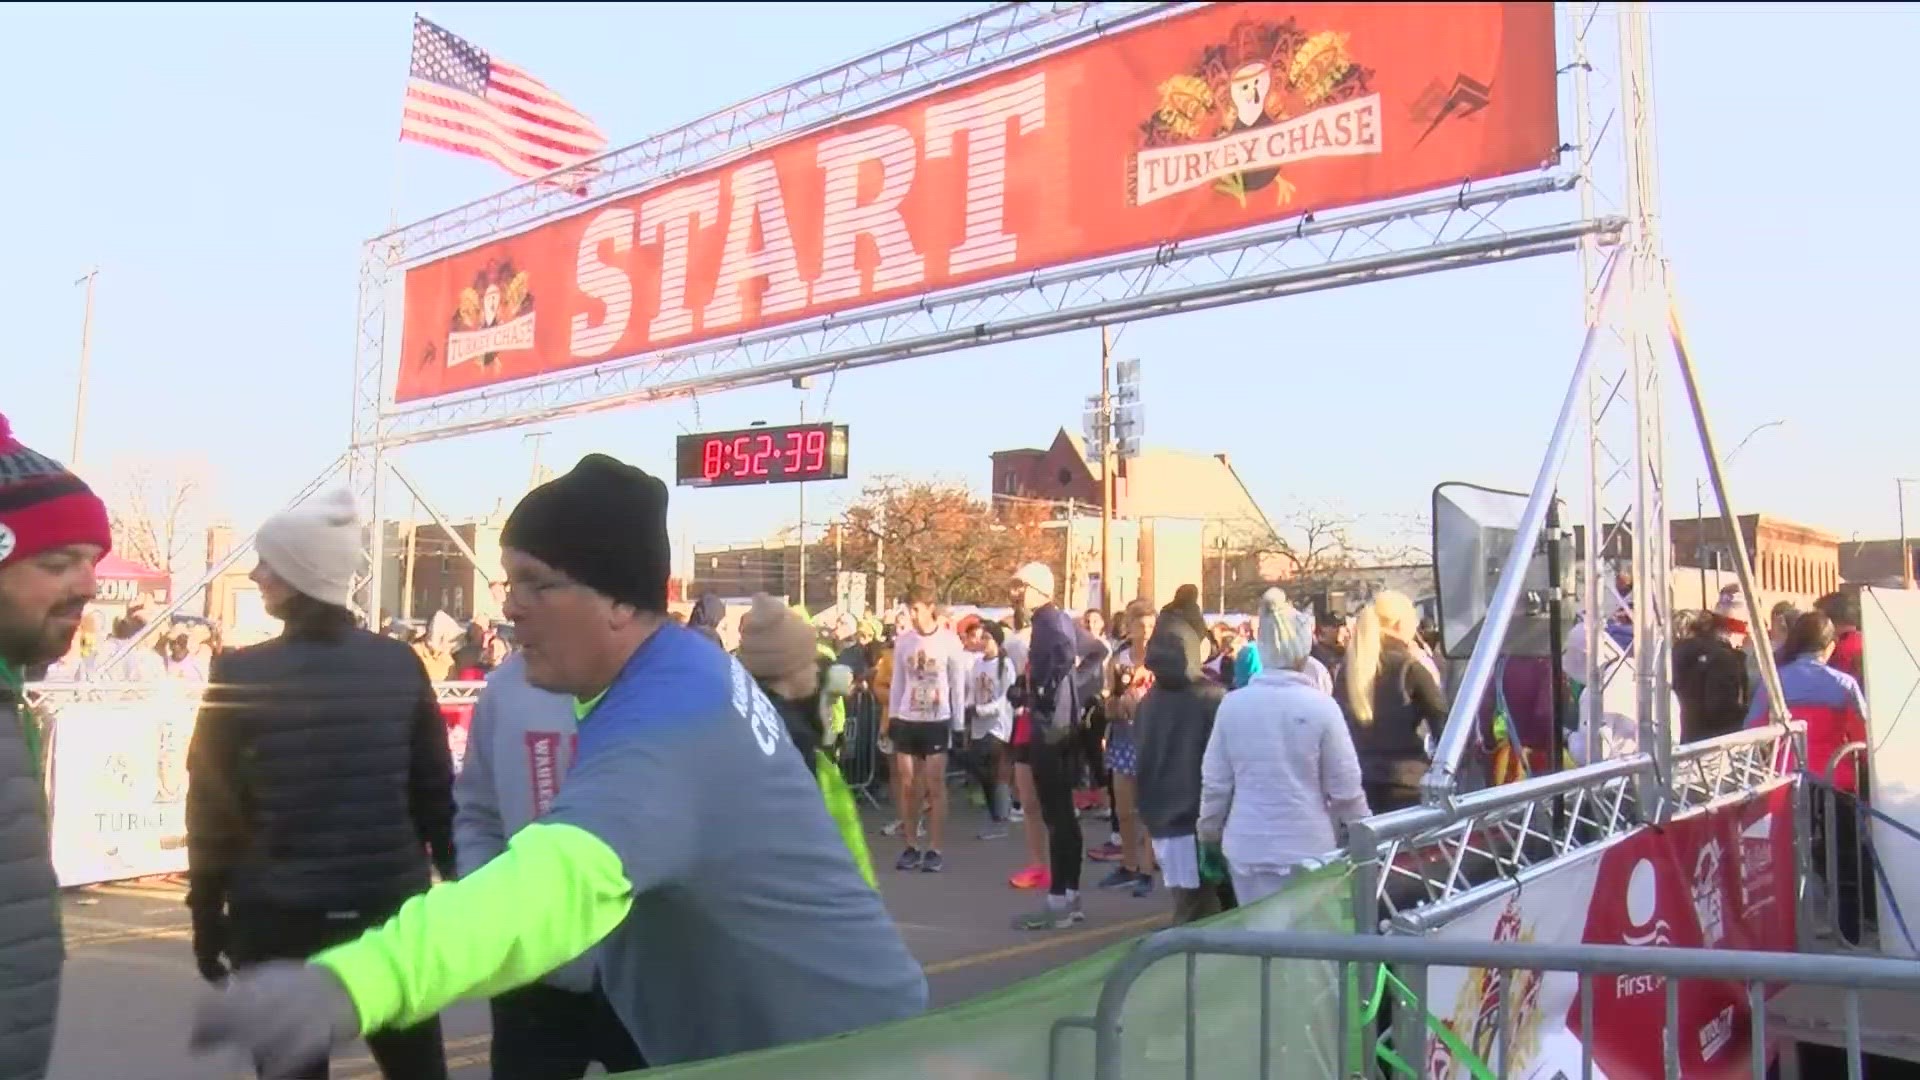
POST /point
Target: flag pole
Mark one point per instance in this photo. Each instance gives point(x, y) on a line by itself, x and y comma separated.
point(399, 141)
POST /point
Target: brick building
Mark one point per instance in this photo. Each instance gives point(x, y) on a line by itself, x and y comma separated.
point(1790, 560)
point(1171, 501)
point(771, 567)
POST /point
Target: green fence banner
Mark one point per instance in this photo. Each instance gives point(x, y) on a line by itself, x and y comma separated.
point(1005, 1035)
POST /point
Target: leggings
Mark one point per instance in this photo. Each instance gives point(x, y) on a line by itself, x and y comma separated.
point(1052, 768)
point(982, 762)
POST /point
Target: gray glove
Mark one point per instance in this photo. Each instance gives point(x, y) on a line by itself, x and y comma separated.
point(287, 1015)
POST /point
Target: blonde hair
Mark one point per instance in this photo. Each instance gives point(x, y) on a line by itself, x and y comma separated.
point(1390, 614)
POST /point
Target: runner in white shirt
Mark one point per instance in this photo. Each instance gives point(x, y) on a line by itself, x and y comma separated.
point(927, 705)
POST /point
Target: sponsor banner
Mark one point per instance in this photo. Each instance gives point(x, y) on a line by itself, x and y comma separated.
point(117, 782)
point(1551, 910)
point(118, 785)
point(1225, 117)
point(1720, 880)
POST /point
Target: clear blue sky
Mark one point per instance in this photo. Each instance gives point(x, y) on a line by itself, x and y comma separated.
point(223, 164)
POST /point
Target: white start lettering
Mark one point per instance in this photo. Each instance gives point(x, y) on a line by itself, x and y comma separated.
point(606, 283)
point(759, 254)
point(7, 542)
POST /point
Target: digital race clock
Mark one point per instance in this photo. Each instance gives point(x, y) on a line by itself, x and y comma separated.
point(791, 454)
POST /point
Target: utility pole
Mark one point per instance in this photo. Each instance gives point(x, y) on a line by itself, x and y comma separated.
point(406, 587)
point(802, 382)
point(1066, 601)
point(1906, 557)
point(1220, 546)
point(880, 561)
point(1106, 469)
point(1700, 537)
point(86, 360)
point(536, 438)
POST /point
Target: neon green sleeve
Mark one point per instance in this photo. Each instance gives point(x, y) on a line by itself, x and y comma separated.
point(554, 893)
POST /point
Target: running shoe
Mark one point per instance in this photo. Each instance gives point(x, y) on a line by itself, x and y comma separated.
point(932, 863)
point(1106, 853)
point(1142, 886)
point(1017, 816)
point(1120, 877)
point(909, 860)
point(1032, 877)
point(1052, 918)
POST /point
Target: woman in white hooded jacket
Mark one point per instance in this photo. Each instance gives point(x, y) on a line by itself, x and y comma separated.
point(1280, 777)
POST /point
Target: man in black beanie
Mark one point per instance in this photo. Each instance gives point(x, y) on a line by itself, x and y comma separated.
point(689, 849)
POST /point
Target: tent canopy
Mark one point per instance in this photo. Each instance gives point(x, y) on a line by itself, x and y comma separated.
point(114, 568)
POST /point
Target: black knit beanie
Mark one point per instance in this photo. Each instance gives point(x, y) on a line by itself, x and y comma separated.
point(605, 525)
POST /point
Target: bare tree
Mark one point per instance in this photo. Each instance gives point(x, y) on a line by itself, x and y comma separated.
point(1316, 546)
point(158, 509)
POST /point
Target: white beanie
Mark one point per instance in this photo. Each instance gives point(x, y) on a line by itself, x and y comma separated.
point(1037, 576)
point(315, 546)
point(1285, 636)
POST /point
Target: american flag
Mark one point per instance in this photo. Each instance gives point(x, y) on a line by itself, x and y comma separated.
point(461, 99)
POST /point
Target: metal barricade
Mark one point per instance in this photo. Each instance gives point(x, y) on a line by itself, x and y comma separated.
point(1841, 908)
point(1360, 1050)
point(860, 749)
point(1418, 868)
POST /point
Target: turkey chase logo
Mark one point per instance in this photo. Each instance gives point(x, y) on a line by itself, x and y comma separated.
point(1271, 96)
point(1489, 1003)
point(495, 315)
point(7, 542)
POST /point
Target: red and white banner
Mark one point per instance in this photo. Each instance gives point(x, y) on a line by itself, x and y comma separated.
point(1720, 880)
point(1201, 123)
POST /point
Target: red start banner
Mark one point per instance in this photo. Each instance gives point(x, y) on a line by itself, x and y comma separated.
point(1719, 880)
point(1229, 116)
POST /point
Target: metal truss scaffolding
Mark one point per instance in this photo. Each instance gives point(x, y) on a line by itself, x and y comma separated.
point(1420, 867)
point(1514, 219)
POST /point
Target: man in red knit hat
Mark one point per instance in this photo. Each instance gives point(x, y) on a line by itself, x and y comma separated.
point(53, 529)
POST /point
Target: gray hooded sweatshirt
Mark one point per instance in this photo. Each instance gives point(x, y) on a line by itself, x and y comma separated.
point(519, 747)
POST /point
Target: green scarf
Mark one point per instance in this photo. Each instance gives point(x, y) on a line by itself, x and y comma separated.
point(11, 678)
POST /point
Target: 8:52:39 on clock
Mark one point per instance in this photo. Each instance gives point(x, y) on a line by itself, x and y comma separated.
point(762, 455)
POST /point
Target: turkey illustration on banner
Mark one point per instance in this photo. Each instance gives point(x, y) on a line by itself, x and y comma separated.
point(1187, 126)
point(1717, 880)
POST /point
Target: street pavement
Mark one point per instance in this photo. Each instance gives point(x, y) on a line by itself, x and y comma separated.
point(130, 987)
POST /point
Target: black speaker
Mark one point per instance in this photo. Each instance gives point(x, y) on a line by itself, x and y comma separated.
point(1473, 531)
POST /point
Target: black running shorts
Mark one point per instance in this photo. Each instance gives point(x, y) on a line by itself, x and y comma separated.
point(919, 739)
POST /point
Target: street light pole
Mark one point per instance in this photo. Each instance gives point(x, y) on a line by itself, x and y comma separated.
point(86, 358)
point(1700, 508)
point(802, 382)
point(1106, 470)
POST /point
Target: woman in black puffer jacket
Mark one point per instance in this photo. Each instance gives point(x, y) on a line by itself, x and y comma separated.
point(320, 796)
point(1389, 694)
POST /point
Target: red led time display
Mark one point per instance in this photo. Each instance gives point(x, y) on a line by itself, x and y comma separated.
point(794, 453)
